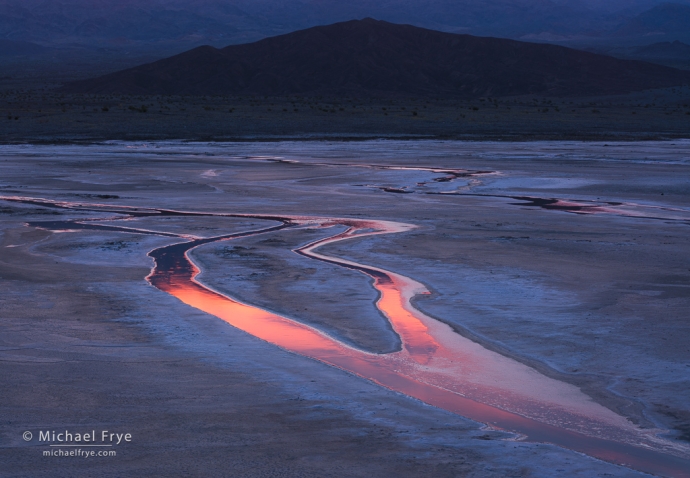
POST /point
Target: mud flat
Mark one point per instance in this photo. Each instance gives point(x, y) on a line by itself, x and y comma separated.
point(593, 294)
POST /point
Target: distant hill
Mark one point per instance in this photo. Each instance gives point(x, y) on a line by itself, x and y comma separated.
point(159, 27)
point(675, 54)
point(11, 48)
point(370, 57)
point(665, 22)
point(187, 23)
point(669, 50)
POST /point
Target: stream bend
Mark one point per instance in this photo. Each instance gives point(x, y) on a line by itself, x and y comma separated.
point(435, 365)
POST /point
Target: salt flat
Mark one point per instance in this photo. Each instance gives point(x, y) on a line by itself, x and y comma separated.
point(594, 294)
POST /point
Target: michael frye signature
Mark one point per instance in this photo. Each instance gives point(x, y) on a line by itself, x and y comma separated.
point(78, 444)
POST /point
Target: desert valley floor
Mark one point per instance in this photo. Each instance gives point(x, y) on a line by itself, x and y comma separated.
point(558, 271)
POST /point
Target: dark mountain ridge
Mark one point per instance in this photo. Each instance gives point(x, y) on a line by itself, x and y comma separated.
point(369, 57)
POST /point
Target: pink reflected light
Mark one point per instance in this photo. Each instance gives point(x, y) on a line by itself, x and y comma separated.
point(435, 365)
point(440, 367)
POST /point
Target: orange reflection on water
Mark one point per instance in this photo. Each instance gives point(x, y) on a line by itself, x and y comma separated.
point(414, 334)
point(395, 291)
point(436, 365)
point(257, 322)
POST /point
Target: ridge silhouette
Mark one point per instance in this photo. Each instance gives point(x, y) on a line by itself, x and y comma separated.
point(371, 57)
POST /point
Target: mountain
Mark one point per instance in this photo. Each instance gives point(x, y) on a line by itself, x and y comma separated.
point(162, 27)
point(10, 48)
point(674, 54)
point(370, 57)
point(503, 18)
point(186, 23)
point(665, 22)
point(127, 24)
point(669, 50)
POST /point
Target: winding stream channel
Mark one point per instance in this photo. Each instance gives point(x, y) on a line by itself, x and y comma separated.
point(435, 364)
